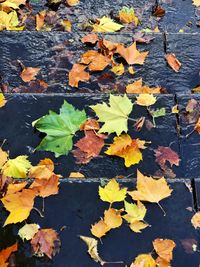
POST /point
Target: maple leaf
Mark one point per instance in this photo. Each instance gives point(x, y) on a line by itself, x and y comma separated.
point(91, 38)
point(146, 259)
point(16, 168)
point(164, 248)
point(9, 21)
point(164, 154)
point(3, 101)
point(40, 172)
point(173, 62)
point(15, 187)
point(60, 129)
point(46, 242)
point(196, 220)
point(131, 54)
point(28, 231)
point(5, 254)
point(127, 15)
point(146, 100)
point(112, 193)
point(100, 229)
point(114, 115)
point(196, 2)
point(77, 74)
point(151, 190)
point(19, 205)
point(90, 124)
point(106, 24)
point(90, 145)
point(137, 88)
point(127, 148)
point(28, 74)
point(112, 218)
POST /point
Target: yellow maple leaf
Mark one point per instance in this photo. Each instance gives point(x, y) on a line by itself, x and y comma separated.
point(28, 231)
point(3, 101)
point(106, 24)
point(113, 218)
point(196, 220)
point(9, 21)
point(196, 2)
point(100, 229)
point(112, 193)
point(147, 260)
point(146, 100)
point(151, 190)
point(16, 168)
point(127, 148)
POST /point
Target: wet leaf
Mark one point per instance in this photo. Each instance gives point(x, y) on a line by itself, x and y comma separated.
point(196, 220)
point(135, 212)
point(127, 148)
point(156, 113)
point(100, 229)
point(147, 259)
point(3, 101)
point(45, 242)
point(9, 21)
point(112, 193)
point(106, 24)
point(127, 15)
point(3, 157)
point(164, 154)
point(149, 189)
point(15, 187)
point(28, 231)
point(197, 126)
point(78, 74)
point(60, 129)
point(113, 218)
point(138, 226)
point(28, 74)
point(137, 88)
point(72, 2)
point(40, 17)
point(67, 25)
point(76, 175)
point(164, 248)
point(145, 100)
point(131, 54)
point(118, 69)
point(173, 62)
point(5, 254)
point(13, 3)
point(196, 2)
point(158, 11)
point(114, 115)
point(90, 38)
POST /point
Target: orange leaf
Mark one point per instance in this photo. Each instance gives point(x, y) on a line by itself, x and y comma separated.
point(137, 88)
point(5, 254)
point(47, 242)
point(196, 220)
point(112, 218)
point(40, 17)
point(48, 163)
point(40, 172)
point(3, 101)
point(197, 126)
point(14, 188)
point(96, 61)
point(77, 74)
point(131, 54)
point(164, 248)
point(173, 62)
point(28, 74)
point(90, 124)
point(90, 38)
point(76, 175)
point(72, 2)
point(100, 229)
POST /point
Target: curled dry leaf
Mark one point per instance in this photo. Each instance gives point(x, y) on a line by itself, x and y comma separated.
point(196, 220)
point(112, 193)
point(173, 62)
point(5, 254)
point(3, 101)
point(28, 231)
point(137, 88)
point(28, 74)
point(78, 74)
point(46, 242)
point(127, 148)
point(145, 100)
point(164, 154)
point(158, 11)
point(90, 38)
point(164, 248)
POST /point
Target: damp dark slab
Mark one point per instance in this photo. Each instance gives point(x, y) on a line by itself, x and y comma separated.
point(22, 109)
point(78, 206)
point(197, 187)
point(189, 140)
point(186, 49)
point(55, 53)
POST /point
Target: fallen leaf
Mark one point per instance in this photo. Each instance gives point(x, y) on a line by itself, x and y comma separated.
point(127, 15)
point(118, 69)
point(112, 193)
point(76, 175)
point(197, 126)
point(16, 168)
point(173, 62)
point(196, 220)
point(19, 205)
point(28, 231)
point(164, 154)
point(72, 2)
point(158, 11)
point(164, 248)
point(48, 163)
point(131, 70)
point(131, 54)
point(189, 245)
point(90, 38)
point(45, 242)
point(127, 148)
point(5, 254)
point(13, 3)
point(40, 17)
point(106, 24)
point(147, 259)
point(140, 264)
point(146, 100)
point(149, 189)
point(113, 218)
point(135, 212)
point(28, 74)
point(95, 60)
point(139, 124)
point(92, 248)
point(138, 226)
point(100, 229)
point(196, 2)
point(3, 101)
point(90, 124)
point(15, 187)
point(78, 74)
point(137, 88)
point(9, 21)
point(162, 263)
point(67, 25)
point(114, 115)
point(40, 172)
point(175, 109)
point(3, 157)
point(60, 129)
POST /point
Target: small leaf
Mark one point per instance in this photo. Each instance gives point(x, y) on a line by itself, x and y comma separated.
point(106, 24)
point(164, 154)
point(112, 218)
point(3, 101)
point(28, 231)
point(137, 88)
point(78, 74)
point(118, 69)
point(100, 229)
point(137, 226)
point(5, 254)
point(196, 220)
point(28, 74)
point(173, 62)
point(164, 248)
point(127, 15)
point(146, 259)
point(146, 100)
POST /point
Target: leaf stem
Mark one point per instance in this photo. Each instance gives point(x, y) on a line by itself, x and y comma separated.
point(113, 262)
point(190, 133)
point(131, 119)
point(39, 212)
point(161, 209)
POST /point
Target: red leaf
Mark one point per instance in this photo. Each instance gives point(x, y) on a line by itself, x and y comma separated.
point(164, 154)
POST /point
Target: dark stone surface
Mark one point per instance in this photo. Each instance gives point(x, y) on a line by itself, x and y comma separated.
point(16, 118)
point(78, 206)
point(197, 187)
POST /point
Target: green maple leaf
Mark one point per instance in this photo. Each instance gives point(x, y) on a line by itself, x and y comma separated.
point(114, 115)
point(60, 129)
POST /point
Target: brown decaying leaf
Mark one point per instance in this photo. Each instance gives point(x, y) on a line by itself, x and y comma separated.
point(28, 74)
point(5, 254)
point(90, 124)
point(173, 62)
point(164, 154)
point(164, 248)
point(196, 220)
point(189, 245)
point(77, 74)
point(139, 124)
point(46, 242)
point(158, 11)
point(90, 38)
